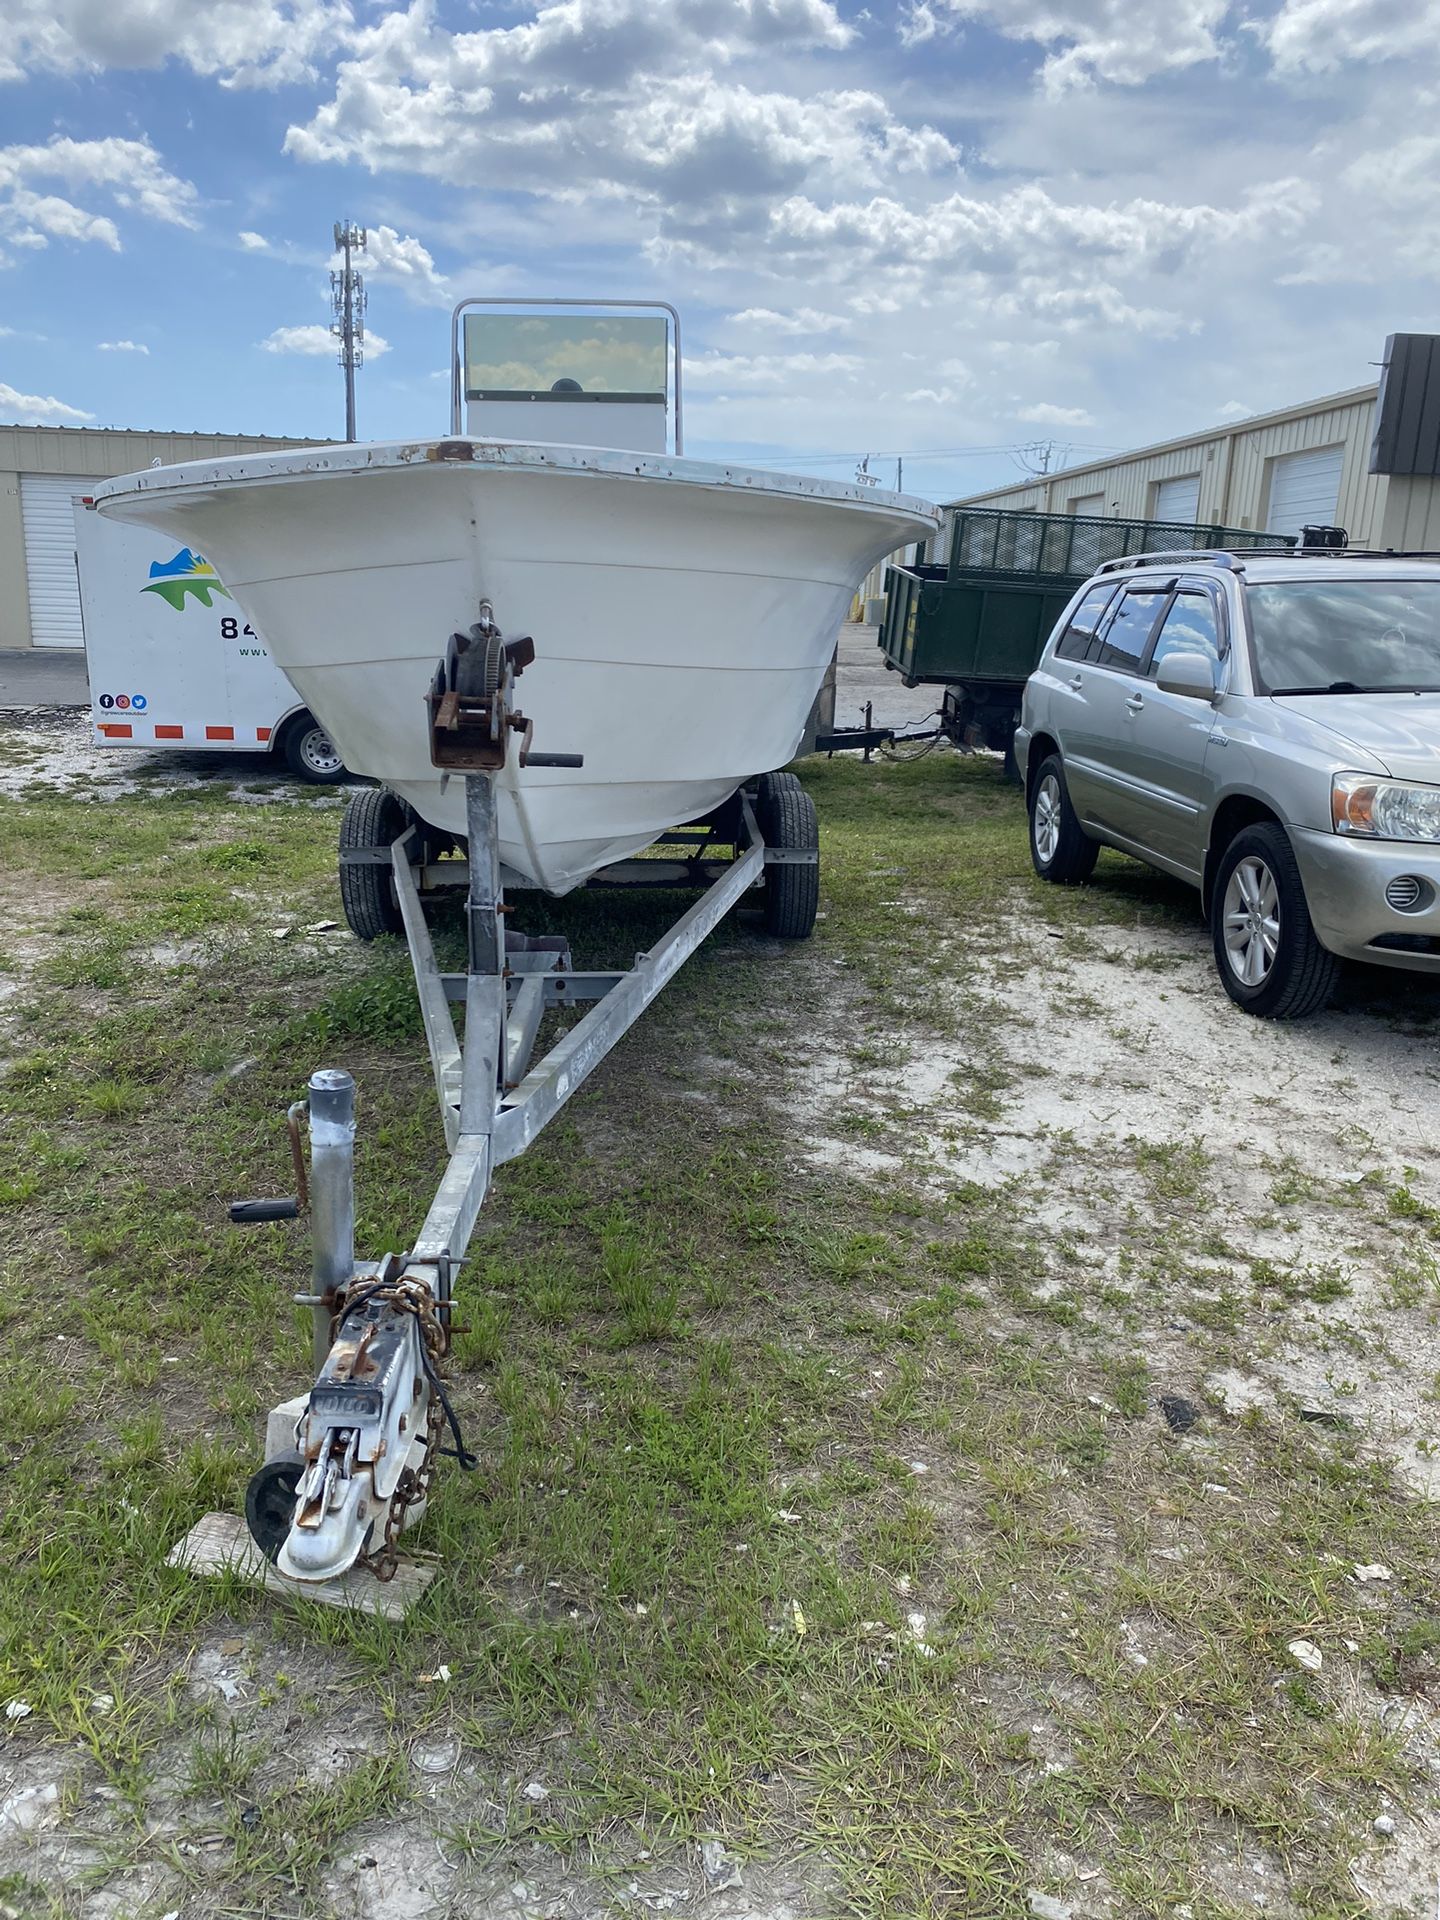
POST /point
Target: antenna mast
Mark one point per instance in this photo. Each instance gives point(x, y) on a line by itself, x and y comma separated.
point(347, 303)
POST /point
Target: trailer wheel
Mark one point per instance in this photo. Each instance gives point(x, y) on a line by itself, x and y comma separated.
point(310, 753)
point(791, 896)
point(372, 820)
point(270, 1505)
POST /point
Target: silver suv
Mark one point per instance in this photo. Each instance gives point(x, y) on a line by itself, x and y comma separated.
point(1266, 726)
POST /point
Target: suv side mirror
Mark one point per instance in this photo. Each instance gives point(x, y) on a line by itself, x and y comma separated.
point(1191, 674)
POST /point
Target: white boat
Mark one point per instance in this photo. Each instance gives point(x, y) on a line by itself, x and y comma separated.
point(683, 613)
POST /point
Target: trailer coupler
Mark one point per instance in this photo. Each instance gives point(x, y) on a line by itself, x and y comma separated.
point(364, 1436)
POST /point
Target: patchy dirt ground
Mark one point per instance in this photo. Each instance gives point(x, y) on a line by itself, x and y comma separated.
point(1164, 1147)
point(52, 749)
point(930, 1385)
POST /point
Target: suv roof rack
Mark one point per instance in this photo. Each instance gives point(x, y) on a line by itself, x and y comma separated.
point(1215, 556)
point(1235, 561)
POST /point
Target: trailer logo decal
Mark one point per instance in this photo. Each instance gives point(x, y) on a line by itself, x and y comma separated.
point(187, 573)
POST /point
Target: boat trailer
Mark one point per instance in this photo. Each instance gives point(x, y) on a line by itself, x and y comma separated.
point(351, 1464)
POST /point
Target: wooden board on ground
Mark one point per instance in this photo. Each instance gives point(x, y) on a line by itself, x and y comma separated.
point(221, 1543)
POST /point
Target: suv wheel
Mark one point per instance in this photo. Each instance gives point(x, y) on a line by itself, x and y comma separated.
point(1060, 849)
point(1269, 960)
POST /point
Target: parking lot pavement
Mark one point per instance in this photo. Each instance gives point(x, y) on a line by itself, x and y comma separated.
point(861, 675)
point(43, 677)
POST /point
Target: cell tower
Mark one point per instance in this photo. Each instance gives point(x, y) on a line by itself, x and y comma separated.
point(347, 303)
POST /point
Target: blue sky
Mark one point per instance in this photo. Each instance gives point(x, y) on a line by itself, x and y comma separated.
point(948, 228)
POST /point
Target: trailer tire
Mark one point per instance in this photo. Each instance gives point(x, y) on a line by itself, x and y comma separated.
point(787, 819)
point(374, 818)
point(309, 752)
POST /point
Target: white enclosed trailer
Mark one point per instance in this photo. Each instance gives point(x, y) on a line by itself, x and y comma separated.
point(173, 662)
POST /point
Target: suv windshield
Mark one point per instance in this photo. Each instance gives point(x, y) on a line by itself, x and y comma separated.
point(1346, 636)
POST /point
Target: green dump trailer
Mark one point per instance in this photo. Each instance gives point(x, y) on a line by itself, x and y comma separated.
point(976, 625)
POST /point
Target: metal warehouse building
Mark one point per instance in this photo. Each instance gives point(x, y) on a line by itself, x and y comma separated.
point(43, 471)
point(1365, 460)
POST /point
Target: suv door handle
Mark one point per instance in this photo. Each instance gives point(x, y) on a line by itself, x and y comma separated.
point(1077, 681)
point(1135, 702)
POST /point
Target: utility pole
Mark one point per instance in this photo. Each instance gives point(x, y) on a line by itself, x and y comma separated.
point(899, 474)
point(347, 303)
point(1041, 451)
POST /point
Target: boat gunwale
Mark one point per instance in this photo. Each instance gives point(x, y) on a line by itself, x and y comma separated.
point(441, 453)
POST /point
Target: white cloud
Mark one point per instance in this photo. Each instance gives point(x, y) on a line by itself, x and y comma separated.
point(32, 218)
point(799, 321)
point(1090, 306)
point(1025, 228)
point(1394, 184)
point(38, 410)
point(1399, 175)
point(124, 346)
point(619, 101)
point(243, 42)
point(1235, 410)
point(253, 242)
point(1321, 36)
point(1123, 41)
point(1044, 414)
point(403, 261)
point(130, 171)
point(317, 339)
point(765, 370)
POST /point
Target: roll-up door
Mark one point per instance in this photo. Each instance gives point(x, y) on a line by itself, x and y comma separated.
point(47, 516)
point(1179, 500)
point(1304, 489)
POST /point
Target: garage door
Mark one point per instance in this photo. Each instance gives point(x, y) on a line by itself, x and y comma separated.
point(1088, 503)
point(1179, 500)
point(1304, 489)
point(46, 502)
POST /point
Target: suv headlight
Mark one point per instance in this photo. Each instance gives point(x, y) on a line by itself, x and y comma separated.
point(1384, 809)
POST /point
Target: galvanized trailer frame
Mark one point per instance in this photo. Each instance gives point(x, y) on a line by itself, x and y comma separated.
point(349, 1464)
point(493, 1100)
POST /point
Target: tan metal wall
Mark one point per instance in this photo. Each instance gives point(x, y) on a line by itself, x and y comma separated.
point(1411, 521)
point(1234, 465)
point(85, 451)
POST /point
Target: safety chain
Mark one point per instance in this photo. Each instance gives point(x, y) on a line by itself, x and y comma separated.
point(413, 1486)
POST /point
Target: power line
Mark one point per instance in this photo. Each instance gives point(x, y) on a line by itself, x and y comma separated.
point(892, 453)
point(919, 453)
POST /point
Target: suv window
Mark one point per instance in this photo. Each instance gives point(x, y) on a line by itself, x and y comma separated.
point(1191, 626)
point(1123, 642)
point(1074, 643)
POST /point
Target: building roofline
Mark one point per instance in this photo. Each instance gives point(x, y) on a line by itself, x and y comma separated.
point(164, 433)
point(1328, 403)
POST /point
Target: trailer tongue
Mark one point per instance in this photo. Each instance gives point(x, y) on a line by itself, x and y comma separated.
point(368, 1435)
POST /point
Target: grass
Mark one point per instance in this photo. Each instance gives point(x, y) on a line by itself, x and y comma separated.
point(744, 1418)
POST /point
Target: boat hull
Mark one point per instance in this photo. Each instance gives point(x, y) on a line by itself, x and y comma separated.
point(683, 617)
